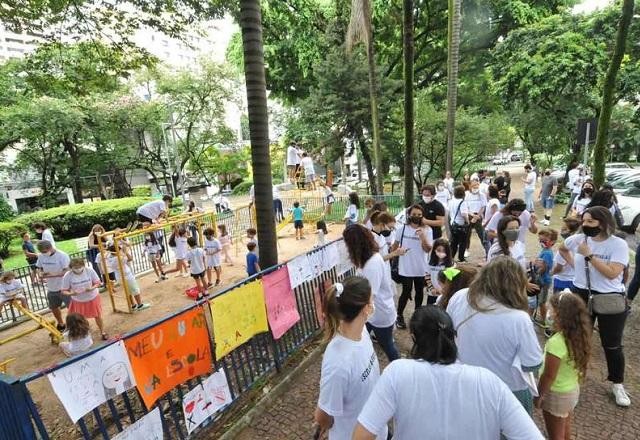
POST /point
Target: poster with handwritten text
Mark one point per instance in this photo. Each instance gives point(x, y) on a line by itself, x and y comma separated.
point(316, 262)
point(216, 388)
point(169, 354)
point(148, 427)
point(344, 263)
point(90, 382)
point(282, 310)
point(237, 316)
point(330, 256)
point(299, 270)
point(196, 408)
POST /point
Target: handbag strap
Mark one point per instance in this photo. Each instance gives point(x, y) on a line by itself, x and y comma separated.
point(587, 273)
point(453, 220)
point(402, 235)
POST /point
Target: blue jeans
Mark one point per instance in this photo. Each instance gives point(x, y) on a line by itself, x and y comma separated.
point(384, 335)
point(634, 285)
point(528, 199)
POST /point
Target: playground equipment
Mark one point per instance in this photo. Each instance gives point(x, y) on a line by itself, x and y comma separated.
point(50, 325)
point(4, 364)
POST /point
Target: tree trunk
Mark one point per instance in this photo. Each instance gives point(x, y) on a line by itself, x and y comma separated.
point(364, 150)
point(608, 91)
point(408, 49)
point(452, 77)
point(76, 182)
point(251, 25)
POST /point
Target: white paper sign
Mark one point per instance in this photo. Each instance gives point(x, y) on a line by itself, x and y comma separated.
point(316, 262)
point(84, 385)
point(344, 264)
point(330, 256)
point(196, 408)
point(148, 427)
point(216, 388)
point(299, 270)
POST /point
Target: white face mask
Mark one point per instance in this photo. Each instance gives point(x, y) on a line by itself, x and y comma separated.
point(475, 191)
point(441, 255)
point(427, 199)
point(440, 187)
point(78, 271)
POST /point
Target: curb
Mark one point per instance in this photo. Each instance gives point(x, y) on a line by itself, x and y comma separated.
point(261, 406)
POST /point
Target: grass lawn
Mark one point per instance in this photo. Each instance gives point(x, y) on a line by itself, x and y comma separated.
point(16, 256)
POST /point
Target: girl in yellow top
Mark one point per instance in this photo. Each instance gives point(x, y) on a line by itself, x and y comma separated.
point(567, 355)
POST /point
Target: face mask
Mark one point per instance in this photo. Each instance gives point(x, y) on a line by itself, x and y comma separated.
point(385, 233)
point(475, 191)
point(511, 234)
point(547, 173)
point(565, 234)
point(78, 271)
point(588, 190)
point(441, 255)
point(591, 231)
point(415, 220)
point(545, 243)
point(427, 199)
point(440, 187)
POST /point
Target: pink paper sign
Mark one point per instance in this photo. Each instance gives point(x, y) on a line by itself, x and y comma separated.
point(282, 311)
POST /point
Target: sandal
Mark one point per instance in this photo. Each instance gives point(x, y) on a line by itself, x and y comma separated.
point(105, 337)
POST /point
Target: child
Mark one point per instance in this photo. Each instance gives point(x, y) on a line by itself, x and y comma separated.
point(563, 272)
point(11, 289)
point(298, 223)
point(178, 240)
point(329, 198)
point(154, 254)
point(31, 256)
point(111, 265)
point(566, 360)
point(196, 257)
point(226, 242)
point(452, 280)
point(132, 284)
point(351, 216)
point(212, 249)
point(321, 230)
point(81, 284)
point(78, 338)
point(439, 260)
point(252, 260)
point(543, 266)
point(251, 238)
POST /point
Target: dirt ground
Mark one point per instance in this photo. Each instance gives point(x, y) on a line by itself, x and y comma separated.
point(35, 352)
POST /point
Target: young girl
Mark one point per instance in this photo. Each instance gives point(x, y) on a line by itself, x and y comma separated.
point(567, 356)
point(130, 279)
point(11, 289)
point(452, 280)
point(77, 337)
point(154, 254)
point(212, 248)
point(351, 216)
point(329, 198)
point(581, 202)
point(350, 366)
point(226, 242)
point(563, 272)
point(178, 239)
point(198, 265)
point(507, 242)
point(81, 284)
point(439, 260)
point(321, 230)
point(442, 193)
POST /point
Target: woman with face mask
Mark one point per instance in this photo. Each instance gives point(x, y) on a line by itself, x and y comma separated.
point(581, 202)
point(599, 259)
point(81, 284)
point(507, 242)
point(350, 366)
point(416, 238)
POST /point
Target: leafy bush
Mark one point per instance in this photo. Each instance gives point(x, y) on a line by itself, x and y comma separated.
point(71, 221)
point(242, 188)
point(8, 232)
point(6, 211)
point(141, 191)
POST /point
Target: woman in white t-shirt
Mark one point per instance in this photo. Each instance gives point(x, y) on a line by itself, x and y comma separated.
point(44, 233)
point(563, 272)
point(494, 329)
point(351, 216)
point(81, 283)
point(581, 202)
point(369, 263)
point(428, 396)
point(442, 193)
point(350, 366)
point(416, 238)
point(529, 187)
point(507, 242)
point(604, 257)
point(383, 228)
point(493, 204)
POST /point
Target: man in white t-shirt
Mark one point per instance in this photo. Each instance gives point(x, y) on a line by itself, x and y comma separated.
point(476, 203)
point(152, 212)
point(309, 171)
point(575, 179)
point(53, 264)
point(293, 160)
point(44, 232)
point(529, 187)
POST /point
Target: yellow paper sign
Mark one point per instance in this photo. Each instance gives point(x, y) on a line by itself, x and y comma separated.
point(237, 316)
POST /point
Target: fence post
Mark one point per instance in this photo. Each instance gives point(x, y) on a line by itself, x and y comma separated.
point(15, 420)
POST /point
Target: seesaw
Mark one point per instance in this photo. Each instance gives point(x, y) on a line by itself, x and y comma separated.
point(49, 325)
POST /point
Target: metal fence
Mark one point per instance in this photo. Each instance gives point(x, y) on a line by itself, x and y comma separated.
point(22, 417)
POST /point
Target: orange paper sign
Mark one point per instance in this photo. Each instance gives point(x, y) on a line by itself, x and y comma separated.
point(169, 354)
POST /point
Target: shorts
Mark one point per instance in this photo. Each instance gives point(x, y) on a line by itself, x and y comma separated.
point(539, 299)
point(310, 178)
point(134, 288)
point(560, 285)
point(298, 224)
point(195, 276)
point(548, 202)
point(56, 299)
point(561, 404)
point(291, 168)
point(153, 257)
point(144, 219)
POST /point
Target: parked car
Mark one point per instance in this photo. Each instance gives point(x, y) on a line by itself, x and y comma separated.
point(619, 172)
point(625, 182)
point(516, 157)
point(629, 204)
point(499, 161)
point(611, 166)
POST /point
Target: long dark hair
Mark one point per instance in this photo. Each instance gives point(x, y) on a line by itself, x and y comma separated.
point(345, 306)
point(502, 225)
point(514, 205)
point(77, 325)
point(354, 199)
point(433, 336)
point(433, 258)
point(604, 217)
point(603, 197)
point(590, 183)
point(360, 244)
point(459, 282)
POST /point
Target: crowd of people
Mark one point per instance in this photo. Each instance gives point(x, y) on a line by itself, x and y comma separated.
point(477, 330)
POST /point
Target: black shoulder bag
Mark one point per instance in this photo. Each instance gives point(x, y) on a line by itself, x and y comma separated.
point(604, 303)
point(455, 227)
point(395, 262)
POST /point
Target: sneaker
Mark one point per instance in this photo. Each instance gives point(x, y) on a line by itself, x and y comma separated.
point(158, 280)
point(467, 254)
point(217, 282)
point(546, 222)
point(622, 399)
point(164, 277)
point(105, 337)
point(143, 306)
point(400, 323)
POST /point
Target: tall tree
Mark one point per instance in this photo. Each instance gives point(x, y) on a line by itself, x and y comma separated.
point(608, 91)
point(453, 55)
point(251, 25)
point(361, 29)
point(408, 49)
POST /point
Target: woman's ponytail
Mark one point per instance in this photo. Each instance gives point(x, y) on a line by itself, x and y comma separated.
point(343, 302)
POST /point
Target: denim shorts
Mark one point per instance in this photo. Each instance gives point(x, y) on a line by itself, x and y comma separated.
point(548, 203)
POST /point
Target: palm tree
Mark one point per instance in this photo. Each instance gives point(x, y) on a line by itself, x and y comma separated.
point(408, 49)
point(251, 25)
point(608, 89)
point(361, 29)
point(452, 76)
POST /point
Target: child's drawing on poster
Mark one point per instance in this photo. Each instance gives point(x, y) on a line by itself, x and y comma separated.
point(88, 383)
point(330, 257)
point(316, 262)
point(148, 427)
point(216, 388)
point(196, 408)
point(299, 270)
point(344, 263)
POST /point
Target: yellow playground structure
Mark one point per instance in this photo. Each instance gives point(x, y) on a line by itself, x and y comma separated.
point(50, 325)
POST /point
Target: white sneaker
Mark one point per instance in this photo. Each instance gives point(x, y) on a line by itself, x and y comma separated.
point(546, 222)
point(622, 399)
point(467, 254)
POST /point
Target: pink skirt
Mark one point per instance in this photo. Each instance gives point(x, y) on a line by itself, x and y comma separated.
point(88, 309)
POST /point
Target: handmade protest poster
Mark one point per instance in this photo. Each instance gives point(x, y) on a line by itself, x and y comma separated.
point(148, 427)
point(316, 262)
point(299, 270)
point(196, 408)
point(237, 316)
point(88, 383)
point(282, 310)
point(170, 353)
point(331, 256)
point(344, 263)
point(216, 388)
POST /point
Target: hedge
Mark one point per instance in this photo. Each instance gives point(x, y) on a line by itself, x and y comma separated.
point(8, 232)
point(242, 188)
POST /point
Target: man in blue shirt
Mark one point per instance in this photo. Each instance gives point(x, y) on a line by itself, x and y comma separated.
point(252, 260)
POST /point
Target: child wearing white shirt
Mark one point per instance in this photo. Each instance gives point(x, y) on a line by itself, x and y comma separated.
point(11, 289)
point(196, 258)
point(212, 248)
